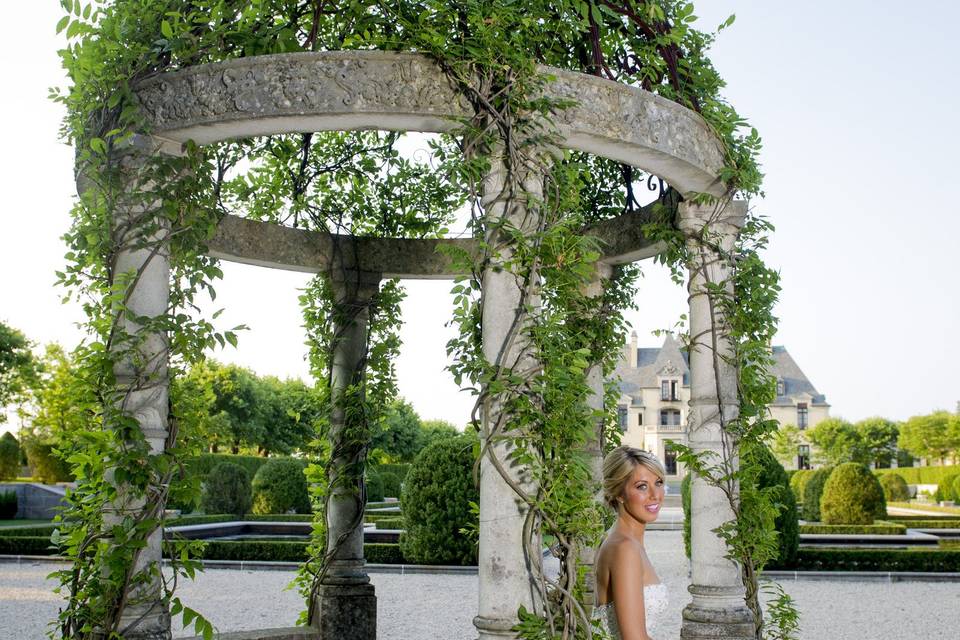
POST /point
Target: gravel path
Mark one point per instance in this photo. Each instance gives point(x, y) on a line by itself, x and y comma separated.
point(441, 607)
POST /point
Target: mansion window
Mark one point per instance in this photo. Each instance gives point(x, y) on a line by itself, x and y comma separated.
point(668, 390)
point(803, 456)
point(669, 418)
point(670, 462)
point(640, 418)
point(622, 418)
point(803, 417)
point(781, 387)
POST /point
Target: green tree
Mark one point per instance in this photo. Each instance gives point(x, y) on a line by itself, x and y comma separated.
point(836, 442)
point(61, 402)
point(934, 437)
point(434, 430)
point(19, 369)
point(290, 413)
point(9, 456)
point(878, 439)
point(784, 443)
point(399, 435)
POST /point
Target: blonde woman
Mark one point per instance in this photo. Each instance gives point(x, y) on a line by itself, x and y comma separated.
point(630, 596)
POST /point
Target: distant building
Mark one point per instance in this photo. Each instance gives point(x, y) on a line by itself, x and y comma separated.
point(655, 390)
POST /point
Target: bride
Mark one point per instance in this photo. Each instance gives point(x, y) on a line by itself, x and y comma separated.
point(630, 596)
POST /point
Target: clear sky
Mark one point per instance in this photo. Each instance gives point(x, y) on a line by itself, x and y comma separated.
point(856, 102)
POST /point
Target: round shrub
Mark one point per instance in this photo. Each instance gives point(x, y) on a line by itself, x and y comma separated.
point(797, 483)
point(812, 491)
point(279, 487)
point(852, 495)
point(374, 486)
point(9, 457)
point(945, 490)
point(391, 484)
point(227, 489)
point(773, 476)
point(894, 487)
point(436, 501)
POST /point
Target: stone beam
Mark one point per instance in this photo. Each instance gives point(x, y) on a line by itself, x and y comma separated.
point(272, 245)
point(355, 90)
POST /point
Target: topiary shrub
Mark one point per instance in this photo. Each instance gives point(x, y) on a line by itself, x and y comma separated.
point(9, 457)
point(685, 501)
point(374, 486)
point(852, 495)
point(391, 484)
point(280, 486)
point(436, 504)
point(894, 488)
point(945, 490)
point(773, 476)
point(46, 463)
point(8, 505)
point(227, 489)
point(812, 491)
point(798, 481)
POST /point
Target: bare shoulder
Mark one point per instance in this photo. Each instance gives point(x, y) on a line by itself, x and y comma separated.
point(621, 551)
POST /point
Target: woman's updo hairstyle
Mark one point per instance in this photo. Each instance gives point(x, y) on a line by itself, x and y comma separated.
point(618, 466)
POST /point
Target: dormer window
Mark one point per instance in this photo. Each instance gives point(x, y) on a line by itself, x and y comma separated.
point(781, 387)
point(803, 415)
point(668, 390)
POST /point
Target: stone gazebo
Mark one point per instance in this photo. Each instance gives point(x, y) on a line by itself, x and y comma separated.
point(307, 92)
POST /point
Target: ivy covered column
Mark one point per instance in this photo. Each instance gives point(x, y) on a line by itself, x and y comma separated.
point(505, 582)
point(718, 609)
point(345, 605)
point(141, 284)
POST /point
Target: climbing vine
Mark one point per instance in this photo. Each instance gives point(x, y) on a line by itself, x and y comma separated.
point(530, 224)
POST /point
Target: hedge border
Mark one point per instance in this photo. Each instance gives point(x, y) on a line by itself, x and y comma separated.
point(927, 560)
point(879, 527)
point(921, 475)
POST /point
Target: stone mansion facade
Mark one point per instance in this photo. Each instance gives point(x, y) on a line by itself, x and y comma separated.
point(655, 390)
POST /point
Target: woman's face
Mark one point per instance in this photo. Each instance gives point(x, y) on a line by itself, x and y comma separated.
point(643, 495)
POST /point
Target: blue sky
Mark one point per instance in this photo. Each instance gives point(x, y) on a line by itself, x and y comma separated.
point(856, 103)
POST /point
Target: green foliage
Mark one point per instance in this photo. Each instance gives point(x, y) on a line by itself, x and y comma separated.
point(836, 441)
point(374, 486)
point(784, 443)
point(772, 477)
point(935, 436)
point(227, 489)
point(400, 433)
point(946, 488)
point(925, 560)
point(930, 524)
point(391, 484)
point(18, 367)
point(280, 486)
point(390, 523)
point(921, 475)
point(8, 505)
point(878, 440)
point(9, 457)
point(852, 495)
point(399, 470)
point(685, 498)
point(798, 482)
point(894, 487)
point(812, 491)
point(47, 463)
point(436, 504)
point(877, 528)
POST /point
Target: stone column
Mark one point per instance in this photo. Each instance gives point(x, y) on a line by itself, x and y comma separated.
point(718, 609)
point(505, 582)
point(345, 606)
point(593, 449)
point(141, 376)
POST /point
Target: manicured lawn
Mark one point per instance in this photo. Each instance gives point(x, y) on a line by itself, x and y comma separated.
point(925, 507)
point(21, 523)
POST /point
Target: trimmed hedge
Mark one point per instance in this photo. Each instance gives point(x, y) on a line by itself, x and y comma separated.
point(27, 532)
point(812, 491)
point(8, 505)
point(852, 495)
point(949, 543)
point(935, 561)
point(921, 475)
point(391, 484)
point(280, 486)
point(946, 489)
point(400, 470)
point(381, 505)
point(798, 481)
point(894, 487)
point(27, 546)
point(879, 527)
point(389, 523)
point(227, 489)
point(930, 524)
point(953, 512)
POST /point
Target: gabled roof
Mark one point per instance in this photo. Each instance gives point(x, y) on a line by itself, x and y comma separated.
point(653, 362)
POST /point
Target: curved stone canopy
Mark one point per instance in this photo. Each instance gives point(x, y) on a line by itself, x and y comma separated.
point(354, 90)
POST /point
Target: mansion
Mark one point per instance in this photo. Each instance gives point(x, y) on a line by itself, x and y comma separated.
point(655, 389)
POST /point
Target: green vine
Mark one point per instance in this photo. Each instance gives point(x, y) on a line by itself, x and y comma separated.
point(532, 225)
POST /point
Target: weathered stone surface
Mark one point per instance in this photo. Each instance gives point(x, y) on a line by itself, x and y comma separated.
point(353, 90)
point(280, 633)
point(346, 613)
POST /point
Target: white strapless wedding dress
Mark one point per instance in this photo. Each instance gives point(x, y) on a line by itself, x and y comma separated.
point(654, 604)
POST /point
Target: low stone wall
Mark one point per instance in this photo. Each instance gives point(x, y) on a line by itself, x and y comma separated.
point(36, 501)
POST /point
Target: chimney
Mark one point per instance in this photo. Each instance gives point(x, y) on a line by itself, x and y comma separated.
point(632, 353)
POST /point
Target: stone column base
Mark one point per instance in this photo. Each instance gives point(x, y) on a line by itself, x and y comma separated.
point(494, 628)
point(733, 623)
point(346, 612)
